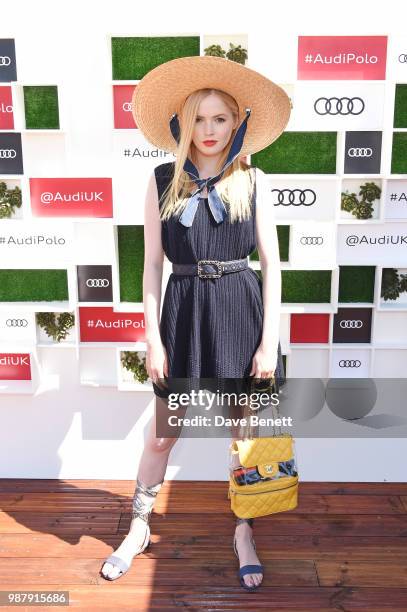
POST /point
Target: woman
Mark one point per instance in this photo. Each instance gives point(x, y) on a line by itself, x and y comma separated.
point(218, 320)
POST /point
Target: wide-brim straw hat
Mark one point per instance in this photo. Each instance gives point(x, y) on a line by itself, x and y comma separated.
point(163, 90)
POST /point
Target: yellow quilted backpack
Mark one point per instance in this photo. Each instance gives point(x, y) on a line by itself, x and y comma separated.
point(268, 496)
point(268, 454)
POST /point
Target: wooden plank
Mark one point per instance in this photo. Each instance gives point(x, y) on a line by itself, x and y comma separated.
point(117, 595)
point(200, 502)
point(366, 574)
point(126, 487)
point(192, 546)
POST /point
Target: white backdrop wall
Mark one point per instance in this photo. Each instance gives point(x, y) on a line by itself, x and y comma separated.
point(67, 430)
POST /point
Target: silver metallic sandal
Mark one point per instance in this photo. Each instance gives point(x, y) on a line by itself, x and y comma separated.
point(143, 501)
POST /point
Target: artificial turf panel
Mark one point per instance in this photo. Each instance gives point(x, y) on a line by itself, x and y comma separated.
point(130, 239)
point(133, 57)
point(41, 107)
point(305, 286)
point(400, 106)
point(399, 153)
point(356, 283)
point(299, 153)
point(33, 285)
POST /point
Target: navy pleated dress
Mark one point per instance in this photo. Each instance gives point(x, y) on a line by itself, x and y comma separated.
point(210, 327)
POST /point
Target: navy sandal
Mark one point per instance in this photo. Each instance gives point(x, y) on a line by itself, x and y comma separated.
point(248, 569)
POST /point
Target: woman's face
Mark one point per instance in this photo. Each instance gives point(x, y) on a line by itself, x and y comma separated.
point(213, 126)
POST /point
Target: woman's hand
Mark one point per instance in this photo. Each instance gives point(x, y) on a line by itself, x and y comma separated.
point(264, 363)
point(157, 362)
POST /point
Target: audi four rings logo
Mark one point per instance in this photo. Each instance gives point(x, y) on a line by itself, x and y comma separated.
point(295, 197)
point(7, 153)
point(16, 323)
point(97, 282)
point(403, 58)
point(335, 106)
point(5, 60)
point(348, 324)
point(350, 363)
point(311, 240)
point(360, 152)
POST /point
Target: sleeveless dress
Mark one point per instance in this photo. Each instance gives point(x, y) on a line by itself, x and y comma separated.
point(210, 327)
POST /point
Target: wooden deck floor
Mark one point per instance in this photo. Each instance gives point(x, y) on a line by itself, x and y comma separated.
point(343, 548)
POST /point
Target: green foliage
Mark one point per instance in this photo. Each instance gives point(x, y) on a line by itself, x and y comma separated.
point(134, 56)
point(298, 153)
point(215, 50)
point(356, 283)
point(237, 54)
point(9, 200)
point(56, 325)
point(132, 362)
point(393, 284)
point(361, 209)
point(41, 107)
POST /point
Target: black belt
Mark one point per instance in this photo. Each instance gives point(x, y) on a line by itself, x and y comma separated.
point(204, 268)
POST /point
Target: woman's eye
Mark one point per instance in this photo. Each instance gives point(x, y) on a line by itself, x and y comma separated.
point(220, 119)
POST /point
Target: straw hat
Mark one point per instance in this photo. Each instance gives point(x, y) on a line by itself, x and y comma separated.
point(163, 90)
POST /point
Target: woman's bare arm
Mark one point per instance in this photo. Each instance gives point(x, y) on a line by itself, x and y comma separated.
point(153, 263)
point(267, 245)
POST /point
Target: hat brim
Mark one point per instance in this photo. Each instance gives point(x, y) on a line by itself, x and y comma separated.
point(163, 90)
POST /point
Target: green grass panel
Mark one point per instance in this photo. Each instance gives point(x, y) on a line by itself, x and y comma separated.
point(356, 283)
point(130, 240)
point(283, 233)
point(305, 286)
point(399, 153)
point(33, 285)
point(400, 107)
point(133, 57)
point(299, 153)
point(41, 107)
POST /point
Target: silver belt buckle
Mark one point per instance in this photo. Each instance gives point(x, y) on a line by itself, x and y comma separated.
point(210, 275)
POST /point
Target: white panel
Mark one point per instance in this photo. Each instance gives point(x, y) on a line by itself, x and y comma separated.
point(350, 363)
point(370, 244)
point(312, 246)
point(312, 363)
point(299, 199)
point(369, 107)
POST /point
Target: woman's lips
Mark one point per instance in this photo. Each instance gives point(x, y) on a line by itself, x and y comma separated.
point(209, 143)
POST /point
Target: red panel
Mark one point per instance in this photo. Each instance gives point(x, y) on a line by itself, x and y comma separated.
point(15, 366)
point(123, 117)
point(342, 57)
point(102, 324)
point(71, 197)
point(6, 109)
point(309, 327)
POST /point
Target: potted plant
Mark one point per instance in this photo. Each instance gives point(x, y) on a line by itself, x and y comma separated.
point(9, 200)
point(56, 325)
point(237, 54)
point(393, 284)
point(132, 362)
point(215, 50)
point(363, 208)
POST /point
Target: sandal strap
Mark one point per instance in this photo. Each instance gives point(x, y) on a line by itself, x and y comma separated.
point(250, 569)
point(118, 562)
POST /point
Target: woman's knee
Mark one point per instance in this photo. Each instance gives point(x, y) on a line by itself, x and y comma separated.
point(160, 445)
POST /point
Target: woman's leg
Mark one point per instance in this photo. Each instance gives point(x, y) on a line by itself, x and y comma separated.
point(244, 527)
point(151, 472)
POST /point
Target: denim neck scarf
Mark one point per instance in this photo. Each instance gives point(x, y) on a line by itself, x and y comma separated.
point(216, 205)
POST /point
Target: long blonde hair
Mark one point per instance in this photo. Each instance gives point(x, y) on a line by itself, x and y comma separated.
point(236, 185)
